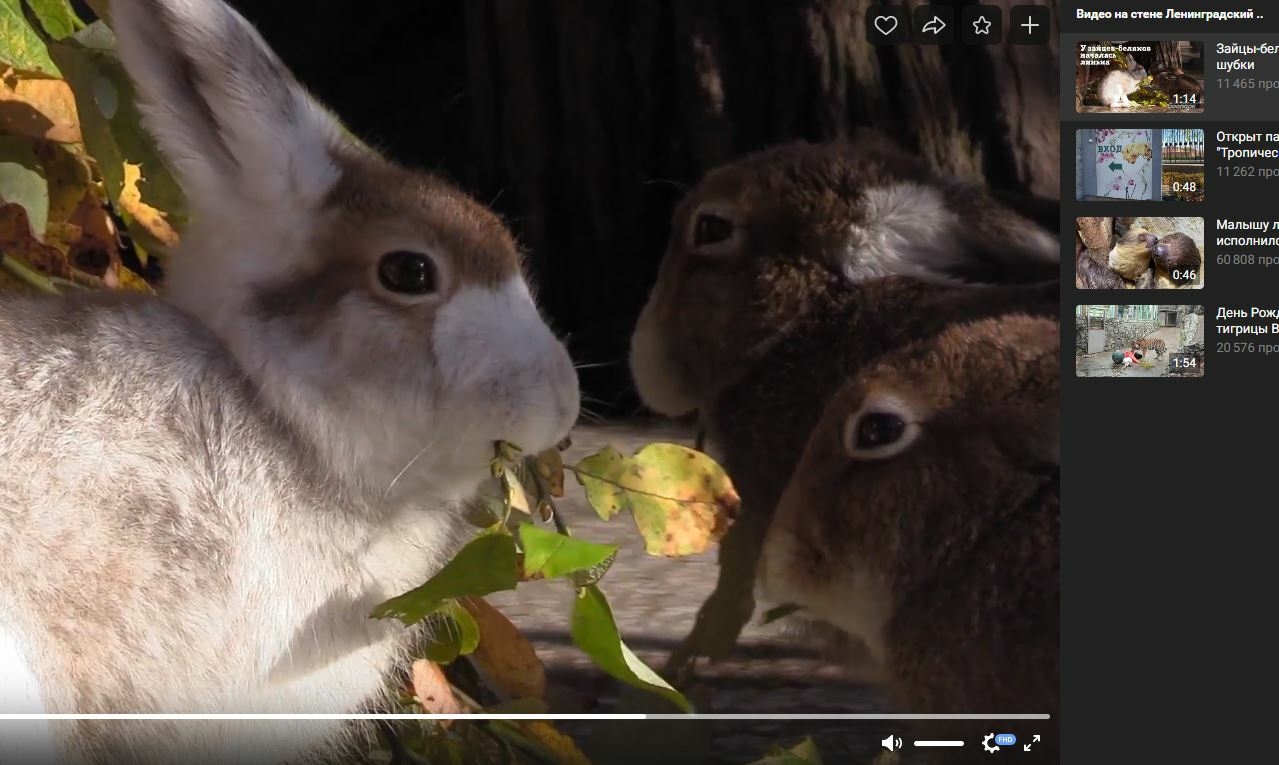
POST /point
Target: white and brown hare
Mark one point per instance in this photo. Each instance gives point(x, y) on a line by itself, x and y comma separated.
point(203, 497)
point(924, 517)
point(790, 269)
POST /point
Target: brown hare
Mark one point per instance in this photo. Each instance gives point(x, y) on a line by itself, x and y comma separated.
point(789, 270)
point(924, 517)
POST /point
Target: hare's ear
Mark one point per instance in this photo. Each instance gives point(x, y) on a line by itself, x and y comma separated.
point(1001, 239)
point(950, 233)
point(231, 118)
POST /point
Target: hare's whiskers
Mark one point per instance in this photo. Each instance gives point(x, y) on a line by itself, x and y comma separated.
point(666, 182)
point(597, 364)
point(406, 467)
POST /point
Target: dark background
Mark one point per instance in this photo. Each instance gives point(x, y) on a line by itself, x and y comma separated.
point(583, 121)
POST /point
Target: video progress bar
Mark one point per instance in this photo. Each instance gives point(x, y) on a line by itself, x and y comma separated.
point(492, 716)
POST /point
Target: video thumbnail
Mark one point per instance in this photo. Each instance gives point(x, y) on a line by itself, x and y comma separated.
point(1139, 340)
point(1139, 253)
point(1154, 76)
point(1150, 164)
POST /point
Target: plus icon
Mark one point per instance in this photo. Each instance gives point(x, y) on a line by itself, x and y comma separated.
point(1029, 24)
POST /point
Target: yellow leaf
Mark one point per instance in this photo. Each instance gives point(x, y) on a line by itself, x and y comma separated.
point(432, 690)
point(504, 658)
point(515, 491)
point(62, 235)
point(39, 108)
point(561, 746)
point(69, 176)
point(150, 220)
point(681, 500)
point(133, 282)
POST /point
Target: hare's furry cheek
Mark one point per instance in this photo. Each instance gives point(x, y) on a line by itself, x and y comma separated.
point(856, 601)
point(507, 376)
point(657, 380)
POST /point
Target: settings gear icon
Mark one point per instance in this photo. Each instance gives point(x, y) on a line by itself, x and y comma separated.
point(985, 743)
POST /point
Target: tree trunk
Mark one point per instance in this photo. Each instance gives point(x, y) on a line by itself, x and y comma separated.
point(584, 121)
point(1166, 54)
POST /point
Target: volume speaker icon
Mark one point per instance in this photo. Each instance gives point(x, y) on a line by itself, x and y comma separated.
point(891, 743)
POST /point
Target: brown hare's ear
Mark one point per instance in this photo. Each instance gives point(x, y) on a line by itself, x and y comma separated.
point(1002, 240)
point(947, 234)
point(242, 135)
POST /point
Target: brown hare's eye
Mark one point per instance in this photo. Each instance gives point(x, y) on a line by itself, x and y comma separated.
point(884, 427)
point(408, 273)
point(711, 229)
point(877, 429)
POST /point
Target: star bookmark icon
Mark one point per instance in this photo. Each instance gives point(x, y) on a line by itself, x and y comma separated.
point(982, 25)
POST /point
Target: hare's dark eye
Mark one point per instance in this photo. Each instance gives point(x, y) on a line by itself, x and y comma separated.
point(884, 427)
point(878, 429)
point(711, 229)
point(409, 273)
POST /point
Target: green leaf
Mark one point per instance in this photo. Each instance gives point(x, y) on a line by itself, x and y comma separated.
point(549, 555)
point(103, 90)
point(486, 564)
point(453, 633)
point(20, 45)
point(56, 17)
point(803, 753)
point(595, 632)
point(22, 181)
point(600, 474)
point(681, 499)
point(91, 88)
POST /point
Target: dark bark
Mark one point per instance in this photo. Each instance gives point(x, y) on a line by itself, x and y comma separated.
point(582, 121)
point(1167, 54)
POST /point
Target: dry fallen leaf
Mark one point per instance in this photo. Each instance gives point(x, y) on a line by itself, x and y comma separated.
point(432, 691)
point(18, 241)
point(550, 467)
point(96, 251)
point(504, 658)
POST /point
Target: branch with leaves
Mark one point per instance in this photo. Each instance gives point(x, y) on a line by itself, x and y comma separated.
point(84, 197)
point(680, 500)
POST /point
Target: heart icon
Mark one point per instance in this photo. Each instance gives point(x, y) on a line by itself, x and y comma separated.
point(886, 24)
